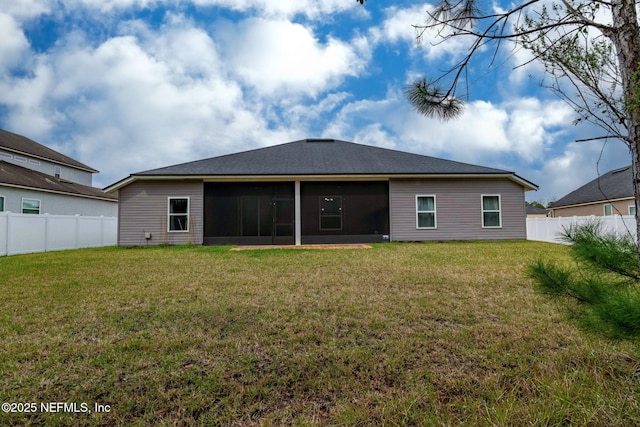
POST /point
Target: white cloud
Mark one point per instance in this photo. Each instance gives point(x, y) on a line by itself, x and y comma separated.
point(525, 128)
point(575, 164)
point(296, 112)
point(284, 8)
point(398, 27)
point(284, 58)
point(146, 95)
point(268, 8)
point(374, 134)
point(534, 125)
point(27, 99)
point(13, 43)
point(25, 9)
point(137, 101)
point(398, 24)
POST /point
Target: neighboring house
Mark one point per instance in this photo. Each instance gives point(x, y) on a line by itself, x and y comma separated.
point(319, 191)
point(609, 194)
point(536, 212)
point(35, 179)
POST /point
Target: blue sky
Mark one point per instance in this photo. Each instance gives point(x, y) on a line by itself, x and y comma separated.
point(131, 85)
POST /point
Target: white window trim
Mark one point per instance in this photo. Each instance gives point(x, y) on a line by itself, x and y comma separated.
point(435, 209)
point(169, 214)
point(29, 198)
point(3, 200)
point(482, 210)
point(629, 209)
point(604, 209)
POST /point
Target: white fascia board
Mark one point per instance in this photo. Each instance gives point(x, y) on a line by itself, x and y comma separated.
point(346, 177)
point(118, 185)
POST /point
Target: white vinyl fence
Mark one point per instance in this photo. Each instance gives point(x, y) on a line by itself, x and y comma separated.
point(22, 233)
point(548, 229)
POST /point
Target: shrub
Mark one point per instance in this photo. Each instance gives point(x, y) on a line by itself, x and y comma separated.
point(602, 289)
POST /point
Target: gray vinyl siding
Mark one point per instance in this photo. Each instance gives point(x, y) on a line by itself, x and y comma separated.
point(69, 173)
point(458, 209)
point(143, 208)
point(57, 204)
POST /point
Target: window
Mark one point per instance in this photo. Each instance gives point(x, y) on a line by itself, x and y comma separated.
point(30, 206)
point(491, 217)
point(56, 171)
point(632, 210)
point(425, 211)
point(178, 214)
point(330, 213)
point(608, 210)
point(1, 203)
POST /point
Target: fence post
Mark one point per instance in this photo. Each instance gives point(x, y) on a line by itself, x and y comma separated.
point(77, 236)
point(8, 233)
point(547, 234)
point(101, 230)
point(46, 232)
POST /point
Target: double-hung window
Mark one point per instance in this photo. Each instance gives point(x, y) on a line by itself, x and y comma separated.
point(30, 206)
point(1, 203)
point(608, 209)
point(425, 211)
point(631, 209)
point(491, 211)
point(178, 214)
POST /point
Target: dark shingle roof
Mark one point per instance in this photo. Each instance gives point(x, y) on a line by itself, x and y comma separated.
point(321, 157)
point(534, 210)
point(19, 144)
point(17, 176)
point(616, 184)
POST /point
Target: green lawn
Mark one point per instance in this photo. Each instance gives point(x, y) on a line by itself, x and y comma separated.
point(400, 334)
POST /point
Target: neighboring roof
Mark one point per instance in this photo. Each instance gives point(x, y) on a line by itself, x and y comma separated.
point(17, 176)
point(616, 184)
point(21, 145)
point(312, 157)
point(533, 210)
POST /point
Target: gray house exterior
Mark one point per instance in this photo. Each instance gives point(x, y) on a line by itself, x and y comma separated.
point(35, 179)
point(319, 191)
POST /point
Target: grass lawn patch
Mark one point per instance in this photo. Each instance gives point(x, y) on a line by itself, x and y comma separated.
point(399, 334)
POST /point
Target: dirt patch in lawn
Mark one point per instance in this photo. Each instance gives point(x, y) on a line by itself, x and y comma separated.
point(319, 246)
